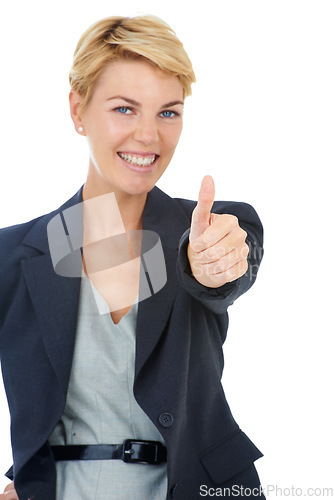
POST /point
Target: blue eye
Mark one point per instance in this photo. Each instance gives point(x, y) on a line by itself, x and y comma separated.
point(123, 110)
point(164, 113)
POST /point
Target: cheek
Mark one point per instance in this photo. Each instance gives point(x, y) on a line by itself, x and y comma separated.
point(108, 129)
point(172, 136)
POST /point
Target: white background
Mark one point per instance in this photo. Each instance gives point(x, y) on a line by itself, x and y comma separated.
point(261, 122)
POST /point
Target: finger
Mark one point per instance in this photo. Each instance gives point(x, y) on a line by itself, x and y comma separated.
point(201, 215)
point(233, 241)
point(222, 226)
point(226, 262)
point(231, 274)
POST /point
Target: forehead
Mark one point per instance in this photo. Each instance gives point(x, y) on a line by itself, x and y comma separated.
point(138, 78)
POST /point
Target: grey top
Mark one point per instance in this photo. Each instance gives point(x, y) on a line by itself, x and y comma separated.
point(101, 408)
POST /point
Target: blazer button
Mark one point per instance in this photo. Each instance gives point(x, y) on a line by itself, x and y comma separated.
point(166, 419)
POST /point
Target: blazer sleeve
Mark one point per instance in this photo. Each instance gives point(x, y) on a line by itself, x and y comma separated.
point(219, 299)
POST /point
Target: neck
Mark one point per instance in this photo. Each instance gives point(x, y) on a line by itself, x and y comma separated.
point(130, 207)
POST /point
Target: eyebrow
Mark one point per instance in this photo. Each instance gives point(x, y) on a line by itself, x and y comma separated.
point(135, 103)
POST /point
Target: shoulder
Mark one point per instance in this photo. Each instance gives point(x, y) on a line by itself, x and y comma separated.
point(24, 240)
point(12, 249)
point(12, 237)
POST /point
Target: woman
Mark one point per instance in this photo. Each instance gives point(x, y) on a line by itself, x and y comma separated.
point(112, 367)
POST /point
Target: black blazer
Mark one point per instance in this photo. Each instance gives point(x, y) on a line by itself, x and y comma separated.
point(179, 360)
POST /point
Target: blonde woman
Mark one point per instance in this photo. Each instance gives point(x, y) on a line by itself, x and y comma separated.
point(111, 327)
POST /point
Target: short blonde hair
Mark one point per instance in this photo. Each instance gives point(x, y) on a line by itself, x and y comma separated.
point(142, 37)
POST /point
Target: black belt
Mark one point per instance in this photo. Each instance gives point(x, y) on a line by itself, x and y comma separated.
point(131, 451)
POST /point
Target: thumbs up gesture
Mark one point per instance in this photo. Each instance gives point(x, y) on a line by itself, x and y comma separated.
point(217, 249)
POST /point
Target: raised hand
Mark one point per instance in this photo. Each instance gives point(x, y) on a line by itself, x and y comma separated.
point(217, 249)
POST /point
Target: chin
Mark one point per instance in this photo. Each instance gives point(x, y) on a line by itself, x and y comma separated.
point(139, 188)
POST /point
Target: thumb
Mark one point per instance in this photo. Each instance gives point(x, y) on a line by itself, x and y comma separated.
point(201, 216)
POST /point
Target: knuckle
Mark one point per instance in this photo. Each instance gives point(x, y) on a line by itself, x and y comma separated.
point(233, 218)
point(234, 221)
point(231, 222)
point(244, 251)
point(240, 240)
point(243, 233)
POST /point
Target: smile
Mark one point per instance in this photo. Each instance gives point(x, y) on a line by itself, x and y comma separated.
point(138, 160)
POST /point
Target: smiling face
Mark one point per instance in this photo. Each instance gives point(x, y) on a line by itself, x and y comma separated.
point(132, 123)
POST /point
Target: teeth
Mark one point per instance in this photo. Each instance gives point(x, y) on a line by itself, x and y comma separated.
point(138, 160)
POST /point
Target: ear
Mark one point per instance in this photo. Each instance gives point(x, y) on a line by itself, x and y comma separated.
point(75, 100)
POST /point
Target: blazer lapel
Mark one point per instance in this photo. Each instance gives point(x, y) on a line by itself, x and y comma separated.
point(56, 298)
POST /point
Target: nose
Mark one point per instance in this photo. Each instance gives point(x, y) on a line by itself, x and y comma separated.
point(146, 131)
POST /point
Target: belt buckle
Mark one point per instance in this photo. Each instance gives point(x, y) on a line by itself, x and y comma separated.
point(143, 452)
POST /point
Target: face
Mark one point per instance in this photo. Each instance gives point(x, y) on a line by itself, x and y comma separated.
point(132, 123)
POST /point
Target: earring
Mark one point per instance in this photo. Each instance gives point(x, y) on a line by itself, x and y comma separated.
point(80, 130)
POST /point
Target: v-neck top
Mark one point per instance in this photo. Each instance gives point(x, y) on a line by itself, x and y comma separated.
point(101, 409)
